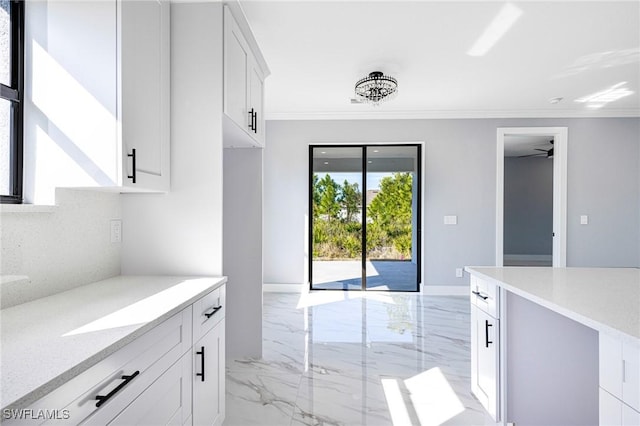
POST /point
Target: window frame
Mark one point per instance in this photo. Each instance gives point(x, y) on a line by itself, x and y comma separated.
point(15, 94)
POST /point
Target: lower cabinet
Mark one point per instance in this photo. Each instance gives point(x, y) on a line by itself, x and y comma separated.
point(209, 377)
point(485, 346)
point(630, 417)
point(610, 409)
point(619, 381)
point(162, 377)
point(166, 402)
point(614, 412)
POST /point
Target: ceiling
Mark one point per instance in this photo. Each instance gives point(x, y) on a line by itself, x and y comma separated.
point(317, 50)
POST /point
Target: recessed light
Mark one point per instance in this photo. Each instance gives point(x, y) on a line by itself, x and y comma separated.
point(326, 162)
point(369, 161)
point(376, 150)
point(323, 152)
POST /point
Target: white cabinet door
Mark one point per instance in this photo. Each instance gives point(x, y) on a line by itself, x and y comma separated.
point(209, 377)
point(236, 63)
point(610, 353)
point(100, 88)
point(166, 402)
point(144, 52)
point(631, 375)
point(488, 361)
point(630, 417)
point(610, 409)
point(485, 360)
point(256, 90)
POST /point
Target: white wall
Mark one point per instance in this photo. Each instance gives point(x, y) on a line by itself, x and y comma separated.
point(62, 248)
point(460, 168)
point(181, 232)
point(243, 249)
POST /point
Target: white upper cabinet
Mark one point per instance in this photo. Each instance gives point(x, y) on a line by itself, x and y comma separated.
point(244, 74)
point(143, 92)
point(98, 87)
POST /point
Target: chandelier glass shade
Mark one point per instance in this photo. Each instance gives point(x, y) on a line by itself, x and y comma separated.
point(376, 87)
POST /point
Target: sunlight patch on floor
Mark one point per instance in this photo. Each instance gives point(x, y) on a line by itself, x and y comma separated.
point(430, 394)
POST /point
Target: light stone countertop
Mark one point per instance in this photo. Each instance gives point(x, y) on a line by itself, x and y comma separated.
point(605, 299)
point(48, 341)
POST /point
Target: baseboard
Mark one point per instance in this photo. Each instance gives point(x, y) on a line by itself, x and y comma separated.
point(429, 290)
point(525, 257)
point(445, 290)
point(282, 288)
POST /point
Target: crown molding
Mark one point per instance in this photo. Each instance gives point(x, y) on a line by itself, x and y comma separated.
point(452, 114)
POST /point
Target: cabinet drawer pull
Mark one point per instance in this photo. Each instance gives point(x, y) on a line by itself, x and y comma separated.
point(251, 117)
point(201, 352)
point(486, 333)
point(133, 165)
point(212, 313)
point(104, 398)
point(482, 296)
point(255, 122)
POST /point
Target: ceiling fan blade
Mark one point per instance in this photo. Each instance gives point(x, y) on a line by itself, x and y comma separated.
point(531, 155)
point(543, 150)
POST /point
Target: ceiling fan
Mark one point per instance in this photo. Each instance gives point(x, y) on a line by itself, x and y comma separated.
point(547, 152)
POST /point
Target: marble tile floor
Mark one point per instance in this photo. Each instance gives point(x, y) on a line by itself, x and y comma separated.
point(353, 358)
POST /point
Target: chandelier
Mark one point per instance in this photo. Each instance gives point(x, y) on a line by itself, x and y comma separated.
point(376, 87)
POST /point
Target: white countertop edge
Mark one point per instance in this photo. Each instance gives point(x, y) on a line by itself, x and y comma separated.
point(596, 325)
point(102, 353)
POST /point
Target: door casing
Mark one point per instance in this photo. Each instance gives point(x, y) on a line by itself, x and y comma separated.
point(560, 136)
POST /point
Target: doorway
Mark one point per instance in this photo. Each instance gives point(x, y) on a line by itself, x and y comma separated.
point(364, 204)
point(531, 196)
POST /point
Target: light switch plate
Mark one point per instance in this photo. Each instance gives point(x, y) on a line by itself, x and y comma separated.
point(458, 272)
point(451, 220)
point(584, 219)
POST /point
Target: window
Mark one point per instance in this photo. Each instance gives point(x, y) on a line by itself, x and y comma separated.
point(11, 99)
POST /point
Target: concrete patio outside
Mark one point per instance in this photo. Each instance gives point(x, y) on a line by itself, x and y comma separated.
point(394, 275)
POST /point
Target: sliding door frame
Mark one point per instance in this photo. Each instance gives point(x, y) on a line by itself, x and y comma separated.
point(363, 254)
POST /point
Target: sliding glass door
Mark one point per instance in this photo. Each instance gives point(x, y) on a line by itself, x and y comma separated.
point(364, 204)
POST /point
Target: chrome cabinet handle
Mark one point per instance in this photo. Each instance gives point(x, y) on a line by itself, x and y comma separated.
point(104, 398)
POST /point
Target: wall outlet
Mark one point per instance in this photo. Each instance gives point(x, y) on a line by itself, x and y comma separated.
point(116, 231)
point(584, 219)
point(451, 220)
point(458, 272)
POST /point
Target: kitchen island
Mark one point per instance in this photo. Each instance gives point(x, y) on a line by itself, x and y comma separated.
point(557, 345)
